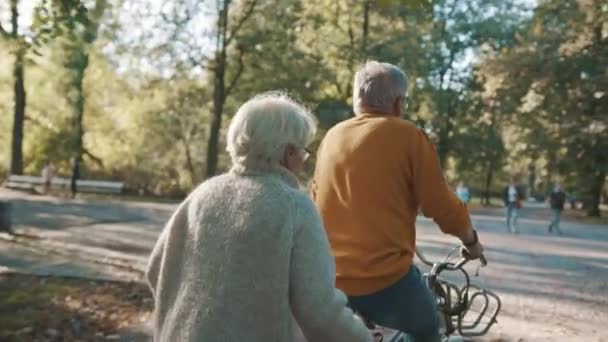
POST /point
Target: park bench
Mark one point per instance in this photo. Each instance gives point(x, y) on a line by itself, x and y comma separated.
point(23, 182)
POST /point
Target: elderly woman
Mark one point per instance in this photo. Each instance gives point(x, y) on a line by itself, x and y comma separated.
point(247, 250)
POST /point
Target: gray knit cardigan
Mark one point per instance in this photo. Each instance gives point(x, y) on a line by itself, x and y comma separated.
point(240, 258)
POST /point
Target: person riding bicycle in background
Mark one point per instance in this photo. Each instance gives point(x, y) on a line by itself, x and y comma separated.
point(374, 173)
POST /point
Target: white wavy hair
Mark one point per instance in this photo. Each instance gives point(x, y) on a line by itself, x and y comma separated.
point(377, 86)
point(262, 128)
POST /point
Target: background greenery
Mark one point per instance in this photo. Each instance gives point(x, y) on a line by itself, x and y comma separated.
point(143, 91)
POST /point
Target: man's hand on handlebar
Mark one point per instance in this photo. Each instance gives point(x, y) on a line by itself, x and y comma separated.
point(471, 248)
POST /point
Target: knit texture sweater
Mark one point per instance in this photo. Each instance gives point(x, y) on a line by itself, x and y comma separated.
point(374, 173)
point(241, 257)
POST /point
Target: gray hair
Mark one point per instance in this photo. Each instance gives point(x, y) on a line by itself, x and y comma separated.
point(264, 126)
point(376, 86)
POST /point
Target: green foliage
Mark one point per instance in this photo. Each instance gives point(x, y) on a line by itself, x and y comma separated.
point(558, 69)
point(496, 84)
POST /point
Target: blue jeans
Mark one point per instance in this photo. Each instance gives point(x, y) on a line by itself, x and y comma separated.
point(555, 218)
point(512, 214)
point(407, 306)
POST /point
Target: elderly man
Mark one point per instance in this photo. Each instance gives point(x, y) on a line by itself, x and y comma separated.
point(374, 173)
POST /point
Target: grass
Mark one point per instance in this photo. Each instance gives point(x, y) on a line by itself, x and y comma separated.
point(64, 309)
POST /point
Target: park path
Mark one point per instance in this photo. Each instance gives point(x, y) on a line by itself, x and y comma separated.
point(553, 288)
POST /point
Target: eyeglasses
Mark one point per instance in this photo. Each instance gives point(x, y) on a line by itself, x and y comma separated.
point(306, 154)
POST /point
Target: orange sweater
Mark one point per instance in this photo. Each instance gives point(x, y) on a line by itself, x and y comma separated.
point(373, 174)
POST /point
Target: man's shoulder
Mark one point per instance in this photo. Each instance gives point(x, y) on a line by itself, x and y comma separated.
point(379, 123)
point(403, 125)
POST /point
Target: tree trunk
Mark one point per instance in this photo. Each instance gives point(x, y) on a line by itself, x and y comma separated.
point(443, 145)
point(78, 62)
point(597, 172)
point(367, 4)
point(19, 93)
point(19, 116)
point(79, 102)
point(219, 93)
point(488, 183)
point(548, 184)
point(593, 199)
point(446, 112)
point(531, 180)
point(216, 125)
point(189, 162)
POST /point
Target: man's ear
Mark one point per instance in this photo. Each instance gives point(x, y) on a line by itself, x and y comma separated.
point(398, 106)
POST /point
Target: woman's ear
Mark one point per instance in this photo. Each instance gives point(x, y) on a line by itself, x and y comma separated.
point(288, 153)
point(290, 150)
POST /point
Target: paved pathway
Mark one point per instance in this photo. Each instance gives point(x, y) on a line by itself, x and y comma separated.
point(554, 288)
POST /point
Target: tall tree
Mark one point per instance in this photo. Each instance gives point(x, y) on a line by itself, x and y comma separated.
point(19, 47)
point(559, 66)
point(214, 51)
point(341, 35)
point(227, 29)
point(459, 31)
point(477, 137)
point(74, 28)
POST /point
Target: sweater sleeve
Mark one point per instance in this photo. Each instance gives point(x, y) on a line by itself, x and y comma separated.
point(154, 262)
point(432, 193)
point(317, 306)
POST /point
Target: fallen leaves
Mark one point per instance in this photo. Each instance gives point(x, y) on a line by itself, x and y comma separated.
point(62, 309)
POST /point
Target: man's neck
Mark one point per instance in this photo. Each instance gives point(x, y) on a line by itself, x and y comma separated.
point(376, 113)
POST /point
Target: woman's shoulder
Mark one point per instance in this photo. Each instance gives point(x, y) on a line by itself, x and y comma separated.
point(291, 199)
point(262, 187)
point(305, 208)
point(302, 198)
point(210, 183)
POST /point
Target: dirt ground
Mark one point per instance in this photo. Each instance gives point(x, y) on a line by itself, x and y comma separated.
point(553, 287)
point(36, 308)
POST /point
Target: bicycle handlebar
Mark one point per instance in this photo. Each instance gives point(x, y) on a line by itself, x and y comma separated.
point(448, 265)
point(455, 302)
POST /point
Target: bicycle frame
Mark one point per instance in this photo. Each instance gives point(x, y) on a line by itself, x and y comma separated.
point(452, 316)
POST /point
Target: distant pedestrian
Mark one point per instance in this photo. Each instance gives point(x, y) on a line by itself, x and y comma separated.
point(47, 176)
point(462, 191)
point(75, 176)
point(557, 198)
point(512, 197)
